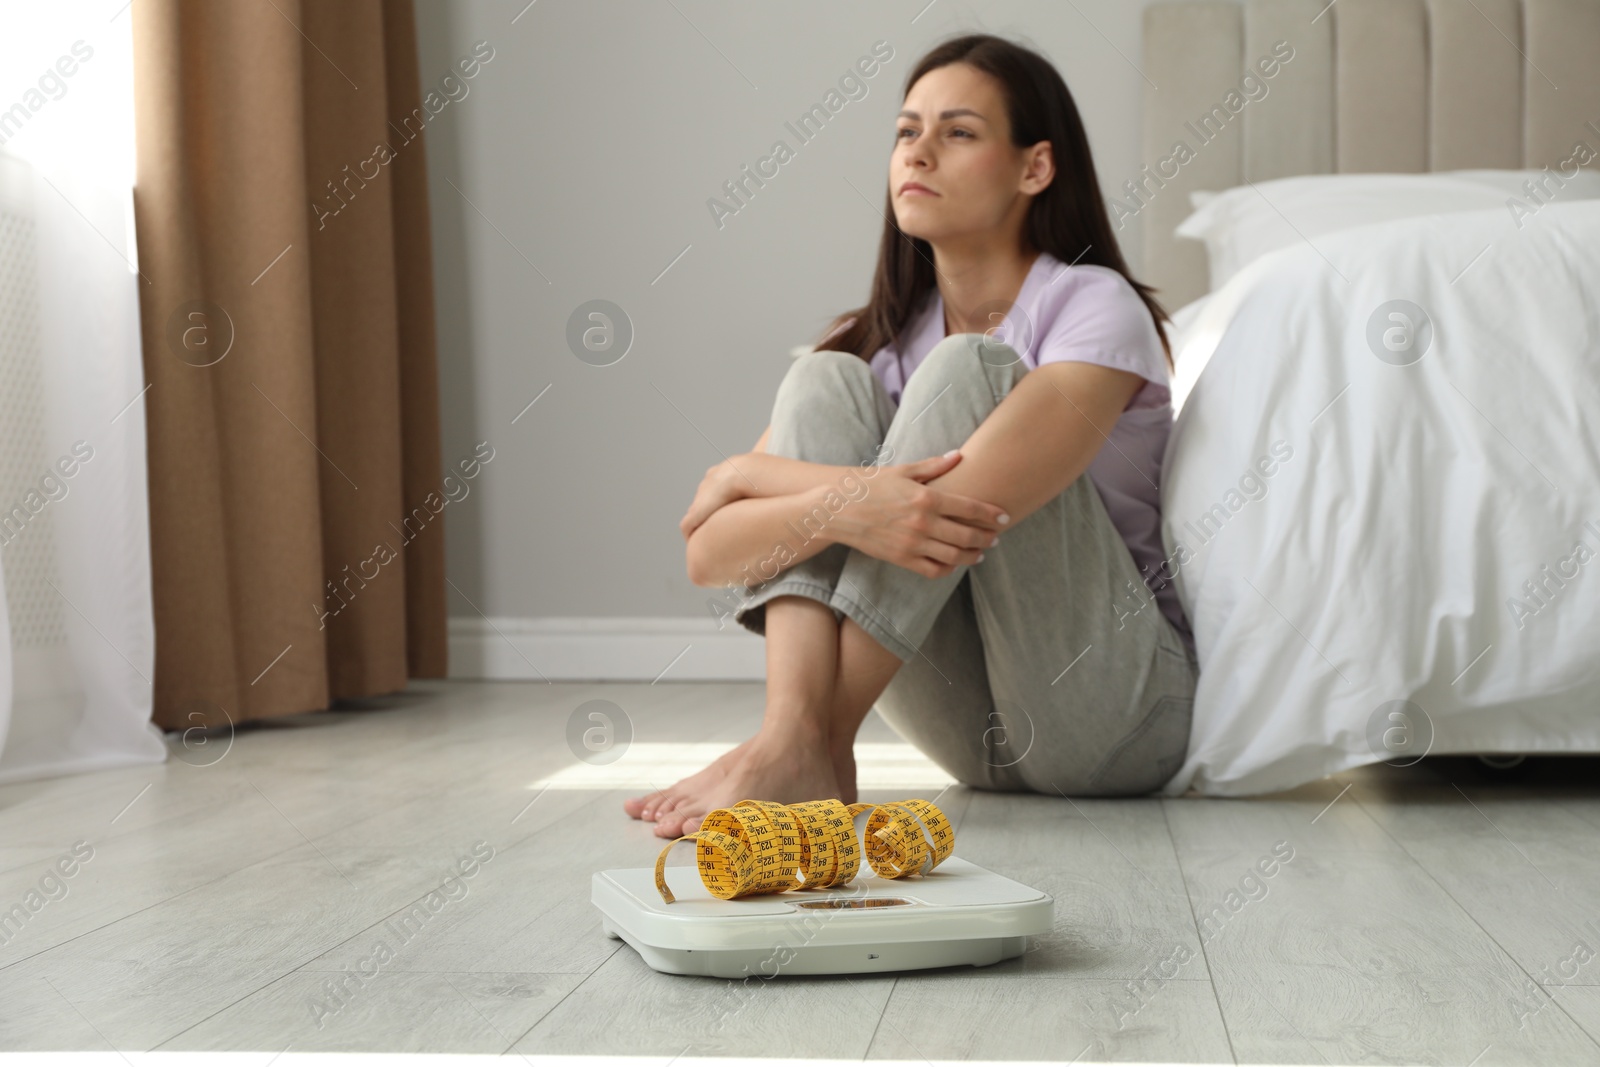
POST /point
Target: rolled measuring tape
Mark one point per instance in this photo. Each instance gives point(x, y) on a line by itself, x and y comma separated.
point(758, 846)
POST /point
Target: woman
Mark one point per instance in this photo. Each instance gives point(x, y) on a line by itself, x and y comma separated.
point(1005, 613)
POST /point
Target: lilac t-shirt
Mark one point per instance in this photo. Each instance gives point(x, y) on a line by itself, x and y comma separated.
point(1089, 314)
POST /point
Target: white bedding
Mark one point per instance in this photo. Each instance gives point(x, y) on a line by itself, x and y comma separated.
point(1407, 502)
point(1244, 222)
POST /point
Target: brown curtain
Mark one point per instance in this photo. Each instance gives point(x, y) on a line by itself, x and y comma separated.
point(296, 520)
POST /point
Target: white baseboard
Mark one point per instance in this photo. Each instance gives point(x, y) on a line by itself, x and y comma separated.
point(604, 649)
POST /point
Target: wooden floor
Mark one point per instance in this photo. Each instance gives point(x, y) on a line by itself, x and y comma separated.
point(1442, 914)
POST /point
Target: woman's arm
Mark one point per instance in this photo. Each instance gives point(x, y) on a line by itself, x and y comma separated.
point(930, 516)
point(780, 475)
point(1042, 436)
point(1035, 443)
point(888, 512)
point(753, 538)
point(743, 544)
point(1032, 446)
point(759, 474)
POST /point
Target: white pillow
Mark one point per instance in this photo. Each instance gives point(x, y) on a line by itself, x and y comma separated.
point(1240, 224)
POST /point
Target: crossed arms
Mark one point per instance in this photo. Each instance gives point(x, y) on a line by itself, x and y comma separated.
point(929, 516)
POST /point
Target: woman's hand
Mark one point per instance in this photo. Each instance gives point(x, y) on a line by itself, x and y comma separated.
point(722, 485)
point(903, 521)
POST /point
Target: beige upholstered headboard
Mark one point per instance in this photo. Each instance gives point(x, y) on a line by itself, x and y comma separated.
point(1372, 85)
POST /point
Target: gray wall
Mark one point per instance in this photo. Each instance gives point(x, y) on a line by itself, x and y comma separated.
point(588, 148)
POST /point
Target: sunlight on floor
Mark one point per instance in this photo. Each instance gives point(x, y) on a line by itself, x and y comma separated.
point(646, 765)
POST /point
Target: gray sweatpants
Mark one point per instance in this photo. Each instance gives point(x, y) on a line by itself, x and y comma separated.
point(1031, 671)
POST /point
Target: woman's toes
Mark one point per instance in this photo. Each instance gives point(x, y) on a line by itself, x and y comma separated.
point(670, 825)
point(684, 818)
point(664, 805)
point(636, 806)
point(642, 807)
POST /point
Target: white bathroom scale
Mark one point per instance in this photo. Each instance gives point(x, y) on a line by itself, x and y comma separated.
point(958, 913)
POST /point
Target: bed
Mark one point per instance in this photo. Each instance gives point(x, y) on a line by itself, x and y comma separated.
point(1381, 497)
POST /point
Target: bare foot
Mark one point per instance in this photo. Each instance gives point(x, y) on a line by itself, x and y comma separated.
point(650, 805)
point(787, 767)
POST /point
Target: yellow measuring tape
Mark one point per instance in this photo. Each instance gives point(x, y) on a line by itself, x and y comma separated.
point(758, 846)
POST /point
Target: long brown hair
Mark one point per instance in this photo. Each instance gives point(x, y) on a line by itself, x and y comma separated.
point(1066, 219)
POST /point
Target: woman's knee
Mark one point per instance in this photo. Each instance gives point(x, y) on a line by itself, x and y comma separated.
point(828, 365)
point(822, 377)
point(967, 358)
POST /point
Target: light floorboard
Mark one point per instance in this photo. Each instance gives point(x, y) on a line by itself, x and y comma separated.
point(237, 896)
